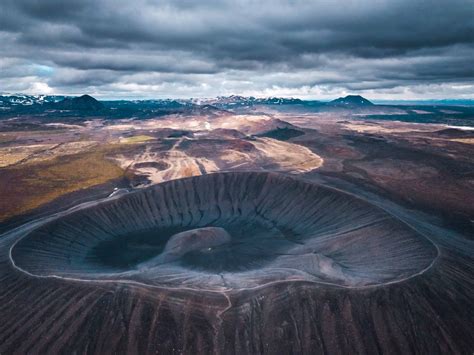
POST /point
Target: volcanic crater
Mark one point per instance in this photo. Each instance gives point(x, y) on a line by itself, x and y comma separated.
point(227, 231)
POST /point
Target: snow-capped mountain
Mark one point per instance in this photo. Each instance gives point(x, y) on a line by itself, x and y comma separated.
point(28, 100)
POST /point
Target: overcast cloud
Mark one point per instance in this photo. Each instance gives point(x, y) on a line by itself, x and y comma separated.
point(397, 49)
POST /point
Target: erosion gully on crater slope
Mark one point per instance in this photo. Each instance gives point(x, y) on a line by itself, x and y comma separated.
point(228, 231)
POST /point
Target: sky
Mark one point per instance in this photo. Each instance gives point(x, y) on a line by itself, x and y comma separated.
point(112, 49)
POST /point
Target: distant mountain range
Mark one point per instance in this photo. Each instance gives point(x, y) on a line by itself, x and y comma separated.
point(45, 102)
point(87, 102)
point(28, 100)
point(84, 102)
point(235, 100)
point(238, 102)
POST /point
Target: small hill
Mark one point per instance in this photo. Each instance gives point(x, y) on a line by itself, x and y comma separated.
point(352, 101)
point(84, 102)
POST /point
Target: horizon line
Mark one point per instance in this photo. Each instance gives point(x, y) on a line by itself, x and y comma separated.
point(131, 98)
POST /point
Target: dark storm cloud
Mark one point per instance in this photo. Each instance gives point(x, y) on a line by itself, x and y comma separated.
point(238, 45)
